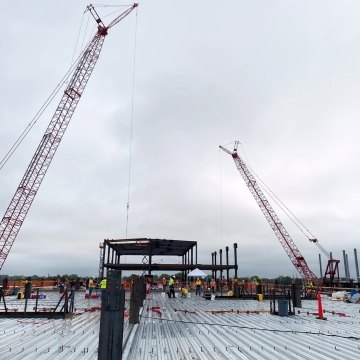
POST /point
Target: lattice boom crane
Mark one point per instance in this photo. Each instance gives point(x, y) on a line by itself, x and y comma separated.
point(287, 243)
point(31, 181)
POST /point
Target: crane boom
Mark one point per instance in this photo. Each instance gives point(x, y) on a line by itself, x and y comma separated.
point(39, 164)
point(281, 233)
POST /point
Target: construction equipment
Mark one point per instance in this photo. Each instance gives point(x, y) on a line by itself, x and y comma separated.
point(332, 267)
point(31, 181)
point(288, 244)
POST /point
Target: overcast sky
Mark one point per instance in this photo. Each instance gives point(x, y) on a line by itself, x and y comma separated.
point(282, 77)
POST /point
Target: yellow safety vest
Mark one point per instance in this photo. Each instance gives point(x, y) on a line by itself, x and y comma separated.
point(184, 291)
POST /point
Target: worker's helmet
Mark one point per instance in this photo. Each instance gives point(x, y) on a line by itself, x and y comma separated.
point(174, 276)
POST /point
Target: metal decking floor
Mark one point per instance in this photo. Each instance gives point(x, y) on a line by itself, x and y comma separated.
point(187, 329)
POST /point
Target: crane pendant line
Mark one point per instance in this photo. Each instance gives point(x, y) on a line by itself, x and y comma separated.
point(281, 233)
point(31, 181)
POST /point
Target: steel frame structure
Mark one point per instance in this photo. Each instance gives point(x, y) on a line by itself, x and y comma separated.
point(113, 250)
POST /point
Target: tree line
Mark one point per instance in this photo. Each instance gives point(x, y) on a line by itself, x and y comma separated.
point(281, 280)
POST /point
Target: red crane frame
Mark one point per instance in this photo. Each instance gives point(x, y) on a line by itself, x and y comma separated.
point(35, 173)
point(281, 233)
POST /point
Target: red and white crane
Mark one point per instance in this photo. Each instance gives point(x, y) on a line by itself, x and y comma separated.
point(332, 267)
point(34, 175)
point(286, 241)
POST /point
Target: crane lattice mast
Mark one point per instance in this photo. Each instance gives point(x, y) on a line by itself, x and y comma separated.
point(31, 181)
point(281, 233)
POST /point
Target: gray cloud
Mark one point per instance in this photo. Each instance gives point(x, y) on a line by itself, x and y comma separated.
point(282, 78)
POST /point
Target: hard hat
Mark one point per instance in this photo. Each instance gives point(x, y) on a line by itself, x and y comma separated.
point(174, 276)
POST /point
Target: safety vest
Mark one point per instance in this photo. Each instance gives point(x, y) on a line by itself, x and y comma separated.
point(103, 284)
point(198, 282)
point(171, 282)
point(184, 291)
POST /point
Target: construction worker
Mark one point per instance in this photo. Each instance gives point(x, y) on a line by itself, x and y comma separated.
point(91, 286)
point(103, 284)
point(184, 292)
point(213, 286)
point(28, 288)
point(171, 287)
point(310, 290)
point(258, 289)
point(198, 284)
point(148, 285)
point(236, 288)
point(164, 283)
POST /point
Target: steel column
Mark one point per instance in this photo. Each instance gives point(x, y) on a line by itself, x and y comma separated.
point(235, 259)
point(321, 273)
point(356, 266)
point(227, 263)
point(345, 268)
point(221, 271)
point(215, 272)
point(112, 318)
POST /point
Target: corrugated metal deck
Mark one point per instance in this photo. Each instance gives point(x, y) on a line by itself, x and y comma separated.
point(75, 338)
point(179, 333)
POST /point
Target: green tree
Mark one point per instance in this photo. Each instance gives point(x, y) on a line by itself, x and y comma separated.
point(284, 280)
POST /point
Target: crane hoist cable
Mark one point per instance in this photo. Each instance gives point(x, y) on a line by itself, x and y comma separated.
point(78, 36)
point(293, 218)
point(37, 116)
point(48, 101)
point(285, 209)
point(332, 267)
point(220, 194)
point(221, 204)
point(131, 129)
